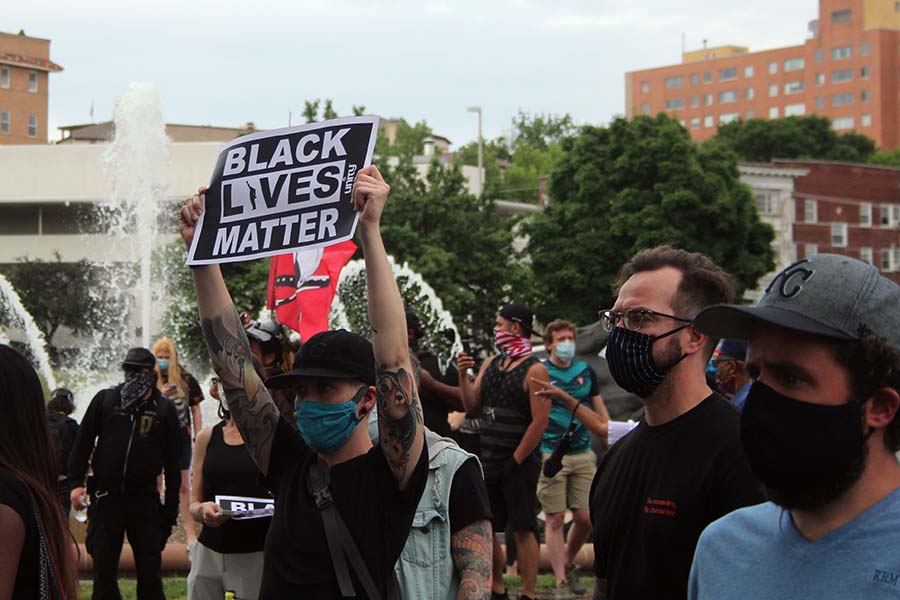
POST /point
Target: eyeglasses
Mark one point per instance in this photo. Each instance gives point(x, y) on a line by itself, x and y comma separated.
point(633, 318)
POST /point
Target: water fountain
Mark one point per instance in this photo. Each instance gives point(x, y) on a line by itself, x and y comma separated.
point(33, 334)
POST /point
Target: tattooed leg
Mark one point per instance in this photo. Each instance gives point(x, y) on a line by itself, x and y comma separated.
point(471, 550)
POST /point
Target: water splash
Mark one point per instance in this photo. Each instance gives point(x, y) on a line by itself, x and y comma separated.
point(35, 337)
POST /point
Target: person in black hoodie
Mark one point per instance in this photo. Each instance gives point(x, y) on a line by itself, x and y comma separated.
point(63, 430)
point(133, 432)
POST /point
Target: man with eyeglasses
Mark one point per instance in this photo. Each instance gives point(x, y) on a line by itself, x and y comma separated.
point(682, 467)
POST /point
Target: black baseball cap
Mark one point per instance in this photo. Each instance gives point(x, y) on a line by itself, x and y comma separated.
point(521, 314)
point(338, 354)
point(140, 358)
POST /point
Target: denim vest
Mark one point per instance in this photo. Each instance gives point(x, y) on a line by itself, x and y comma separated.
point(425, 569)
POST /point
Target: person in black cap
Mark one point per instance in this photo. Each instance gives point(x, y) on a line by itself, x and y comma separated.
point(514, 416)
point(329, 470)
point(821, 432)
point(128, 436)
point(266, 344)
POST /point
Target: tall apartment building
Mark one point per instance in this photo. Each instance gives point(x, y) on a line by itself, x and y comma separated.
point(25, 68)
point(847, 70)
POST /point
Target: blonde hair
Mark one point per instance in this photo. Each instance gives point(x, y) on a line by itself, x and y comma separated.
point(173, 374)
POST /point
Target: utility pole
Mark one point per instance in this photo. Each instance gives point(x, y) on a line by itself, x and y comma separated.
point(477, 109)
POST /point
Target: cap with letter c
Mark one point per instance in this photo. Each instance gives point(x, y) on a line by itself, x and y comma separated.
point(828, 295)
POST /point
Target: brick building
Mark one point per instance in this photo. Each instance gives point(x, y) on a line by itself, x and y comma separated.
point(847, 70)
point(840, 208)
point(25, 68)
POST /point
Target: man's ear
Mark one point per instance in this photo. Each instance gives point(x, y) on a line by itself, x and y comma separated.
point(883, 408)
point(367, 403)
point(695, 341)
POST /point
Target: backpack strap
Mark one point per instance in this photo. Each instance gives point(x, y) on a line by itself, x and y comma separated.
point(48, 579)
point(340, 542)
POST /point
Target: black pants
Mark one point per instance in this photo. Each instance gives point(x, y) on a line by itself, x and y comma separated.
point(109, 519)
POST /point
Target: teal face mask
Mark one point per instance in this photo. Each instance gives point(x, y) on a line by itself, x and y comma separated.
point(163, 364)
point(565, 350)
point(326, 427)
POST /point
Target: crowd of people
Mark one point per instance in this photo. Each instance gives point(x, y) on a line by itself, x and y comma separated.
point(764, 466)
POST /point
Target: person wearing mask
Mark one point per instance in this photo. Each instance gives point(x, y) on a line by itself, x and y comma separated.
point(731, 376)
point(821, 432)
point(229, 553)
point(128, 436)
point(514, 417)
point(38, 559)
point(63, 431)
point(570, 487)
point(266, 345)
point(183, 390)
point(329, 470)
point(682, 467)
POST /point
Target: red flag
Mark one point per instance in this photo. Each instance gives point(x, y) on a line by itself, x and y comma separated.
point(302, 286)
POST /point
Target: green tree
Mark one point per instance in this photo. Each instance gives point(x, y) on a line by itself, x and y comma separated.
point(762, 140)
point(358, 110)
point(541, 130)
point(311, 110)
point(633, 185)
point(328, 111)
point(888, 158)
point(409, 141)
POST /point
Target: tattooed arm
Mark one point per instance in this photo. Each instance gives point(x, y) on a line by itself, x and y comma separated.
point(400, 421)
point(471, 549)
point(247, 399)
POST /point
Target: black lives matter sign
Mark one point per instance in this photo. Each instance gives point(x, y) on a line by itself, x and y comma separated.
point(278, 191)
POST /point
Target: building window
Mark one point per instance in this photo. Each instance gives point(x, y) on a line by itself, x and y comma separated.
point(728, 118)
point(820, 78)
point(748, 114)
point(810, 250)
point(820, 55)
point(674, 82)
point(865, 254)
point(645, 109)
point(842, 99)
point(645, 87)
point(820, 101)
point(841, 52)
point(865, 120)
point(839, 235)
point(728, 96)
point(839, 17)
point(707, 122)
point(32, 81)
point(810, 211)
point(864, 49)
point(890, 215)
point(794, 64)
point(773, 90)
point(842, 76)
point(773, 112)
point(695, 101)
point(865, 215)
point(886, 260)
point(864, 96)
point(4, 77)
point(795, 110)
point(793, 87)
point(708, 100)
point(674, 103)
point(748, 94)
point(773, 68)
point(842, 123)
point(728, 74)
point(32, 126)
point(707, 77)
point(864, 72)
point(767, 203)
point(695, 79)
point(748, 71)
point(4, 122)
point(695, 123)
point(681, 122)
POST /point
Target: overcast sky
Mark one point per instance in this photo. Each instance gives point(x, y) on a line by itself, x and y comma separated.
point(226, 63)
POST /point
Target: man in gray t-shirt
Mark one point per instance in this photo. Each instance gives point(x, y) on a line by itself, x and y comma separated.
point(820, 430)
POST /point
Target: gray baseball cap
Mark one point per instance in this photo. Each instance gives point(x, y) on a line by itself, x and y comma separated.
point(826, 294)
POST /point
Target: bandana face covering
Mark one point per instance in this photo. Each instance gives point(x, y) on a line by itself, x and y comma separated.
point(512, 345)
point(630, 357)
point(136, 386)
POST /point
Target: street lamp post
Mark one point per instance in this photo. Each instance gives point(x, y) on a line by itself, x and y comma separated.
point(477, 109)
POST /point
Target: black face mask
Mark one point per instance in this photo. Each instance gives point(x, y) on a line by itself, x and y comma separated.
point(630, 357)
point(807, 455)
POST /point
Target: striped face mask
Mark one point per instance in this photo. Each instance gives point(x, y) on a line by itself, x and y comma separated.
point(512, 345)
point(630, 357)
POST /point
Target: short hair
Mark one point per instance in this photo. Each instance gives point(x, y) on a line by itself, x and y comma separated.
point(871, 364)
point(703, 282)
point(558, 325)
point(62, 401)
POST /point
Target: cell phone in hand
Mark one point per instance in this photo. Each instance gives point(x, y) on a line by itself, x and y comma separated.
point(467, 347)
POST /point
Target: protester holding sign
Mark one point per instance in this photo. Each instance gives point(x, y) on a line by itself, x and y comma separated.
point(371, 491)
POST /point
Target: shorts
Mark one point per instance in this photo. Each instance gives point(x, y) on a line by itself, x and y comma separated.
point(513, 497)
point(571, 487)
point(213, 573)
point(187, 453)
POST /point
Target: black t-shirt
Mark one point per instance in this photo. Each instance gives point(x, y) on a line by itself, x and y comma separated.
point(378, 515)
point(14, 494)
point(657, 489)
point(468, 497)
point(435, 410)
